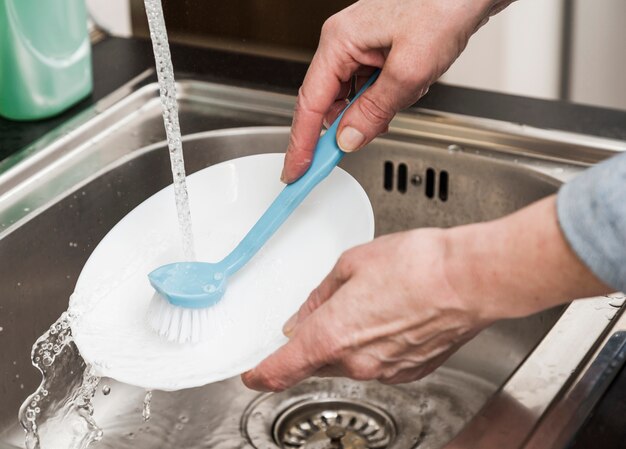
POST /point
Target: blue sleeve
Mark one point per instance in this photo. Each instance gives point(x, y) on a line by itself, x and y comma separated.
point(592, 214)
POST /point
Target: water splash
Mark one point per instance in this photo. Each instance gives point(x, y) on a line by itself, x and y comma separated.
point(59, 414)
point(167, 88)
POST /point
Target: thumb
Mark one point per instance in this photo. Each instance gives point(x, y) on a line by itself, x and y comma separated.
point(397, 87)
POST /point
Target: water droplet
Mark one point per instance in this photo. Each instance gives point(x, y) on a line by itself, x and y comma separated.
point(106, 390)
point(617, 300)
point(146, 413)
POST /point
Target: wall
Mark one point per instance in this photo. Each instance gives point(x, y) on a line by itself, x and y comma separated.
point(598, 73)
point(518, 51)
point(112, 15)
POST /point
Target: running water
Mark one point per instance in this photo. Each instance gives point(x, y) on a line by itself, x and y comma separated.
point(60, 413)
point(167, 87)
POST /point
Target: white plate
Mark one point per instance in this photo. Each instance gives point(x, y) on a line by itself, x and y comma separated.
point(112, 293)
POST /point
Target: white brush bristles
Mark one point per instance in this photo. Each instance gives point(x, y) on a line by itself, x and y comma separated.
point(178, 324)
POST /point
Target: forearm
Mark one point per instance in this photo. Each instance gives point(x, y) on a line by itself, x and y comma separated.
point(519, 264)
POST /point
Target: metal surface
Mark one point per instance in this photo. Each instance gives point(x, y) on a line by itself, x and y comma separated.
point(59, 197)
point(567, 414)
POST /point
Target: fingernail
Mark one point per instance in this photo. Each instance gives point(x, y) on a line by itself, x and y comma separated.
point(290, 324)
point(282, 177)
point(350, 139)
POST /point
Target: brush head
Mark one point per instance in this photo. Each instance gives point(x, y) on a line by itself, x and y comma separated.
point(178, 324)
point(185, 293)
point(192, 285)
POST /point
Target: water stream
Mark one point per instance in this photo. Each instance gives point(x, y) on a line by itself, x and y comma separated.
point(59, 414)
point(167, 87)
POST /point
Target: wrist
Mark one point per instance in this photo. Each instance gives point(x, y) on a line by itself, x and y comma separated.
point(469, 265)
point(517, 265)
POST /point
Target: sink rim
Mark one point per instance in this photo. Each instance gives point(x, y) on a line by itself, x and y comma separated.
point(495, 138)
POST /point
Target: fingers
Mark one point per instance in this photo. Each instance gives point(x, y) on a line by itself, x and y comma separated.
point(339, 105)
point(361, 76)
point(284, 368)
point(338, 276)
point(333, 112)
point(317, 341)
point(398, 86)
point(298, 359)
point(322, 85)
point(326, 81)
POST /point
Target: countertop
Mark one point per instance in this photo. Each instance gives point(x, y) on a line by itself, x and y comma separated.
point(116, 61)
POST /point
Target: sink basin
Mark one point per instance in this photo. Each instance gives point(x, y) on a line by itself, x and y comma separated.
point(63, 194)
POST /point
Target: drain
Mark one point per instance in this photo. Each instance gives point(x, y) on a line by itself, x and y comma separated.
point(334, 413)
point(337, 424)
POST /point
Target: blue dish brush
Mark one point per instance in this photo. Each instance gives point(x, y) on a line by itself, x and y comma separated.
point(186, 290)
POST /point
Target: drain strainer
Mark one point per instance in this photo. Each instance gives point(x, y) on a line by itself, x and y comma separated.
point(335, 413)
point(332, 423)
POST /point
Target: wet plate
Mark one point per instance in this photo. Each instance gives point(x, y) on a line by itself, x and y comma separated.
point(112, 294)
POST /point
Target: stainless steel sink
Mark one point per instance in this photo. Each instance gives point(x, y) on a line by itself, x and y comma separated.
point(513, 386)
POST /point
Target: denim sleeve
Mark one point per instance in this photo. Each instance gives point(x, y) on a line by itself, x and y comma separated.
point(592, 214)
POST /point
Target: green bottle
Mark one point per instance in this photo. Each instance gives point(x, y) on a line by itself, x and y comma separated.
point(45, 57)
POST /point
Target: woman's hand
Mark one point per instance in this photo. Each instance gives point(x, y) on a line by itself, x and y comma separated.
point(396, 308)
point(387, 311)
point(413, 41)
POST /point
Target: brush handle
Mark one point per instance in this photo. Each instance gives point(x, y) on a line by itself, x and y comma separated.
point(325, 158)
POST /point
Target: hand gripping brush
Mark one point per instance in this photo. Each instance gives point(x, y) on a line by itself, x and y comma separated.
point(185, 291)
